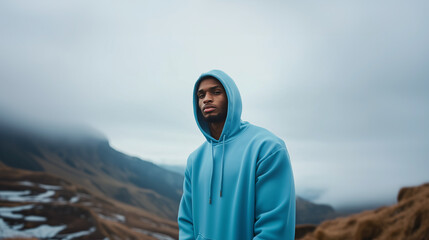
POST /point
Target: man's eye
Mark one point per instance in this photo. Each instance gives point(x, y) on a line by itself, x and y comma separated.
point(217, 92)
point(201, 96)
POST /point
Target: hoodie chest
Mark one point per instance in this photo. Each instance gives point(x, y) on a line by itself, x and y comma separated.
point(233, 162)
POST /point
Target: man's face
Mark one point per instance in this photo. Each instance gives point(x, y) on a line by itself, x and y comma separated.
point(212, 100)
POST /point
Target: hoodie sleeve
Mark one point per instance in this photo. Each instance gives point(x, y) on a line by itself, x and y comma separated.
point(275, 198)
point(185, 221)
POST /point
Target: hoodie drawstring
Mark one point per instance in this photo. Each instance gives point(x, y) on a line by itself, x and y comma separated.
point(211, 177)
point(221, 169)
point(221, 165)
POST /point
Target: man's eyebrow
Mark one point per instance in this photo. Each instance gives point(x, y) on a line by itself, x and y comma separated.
point(211, 88)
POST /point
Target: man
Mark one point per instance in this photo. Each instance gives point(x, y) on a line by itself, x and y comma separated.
point(238, 184)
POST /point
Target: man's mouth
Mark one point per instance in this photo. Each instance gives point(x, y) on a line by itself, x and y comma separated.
point(209, 109)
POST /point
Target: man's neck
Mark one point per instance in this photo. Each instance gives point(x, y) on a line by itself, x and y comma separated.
point(216, 129)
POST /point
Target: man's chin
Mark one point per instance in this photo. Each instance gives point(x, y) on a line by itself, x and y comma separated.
point(214, 118)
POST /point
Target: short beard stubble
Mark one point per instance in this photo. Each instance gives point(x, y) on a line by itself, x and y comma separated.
point(217, 118)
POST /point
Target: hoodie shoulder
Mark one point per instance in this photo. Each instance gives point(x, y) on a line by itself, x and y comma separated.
point(265, 135)
point(266, 141)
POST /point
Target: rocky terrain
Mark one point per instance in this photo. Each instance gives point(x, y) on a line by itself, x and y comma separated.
point(42, 206)
point(408, 219)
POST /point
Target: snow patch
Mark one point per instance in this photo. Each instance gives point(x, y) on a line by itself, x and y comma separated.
point(8, 232)
point(21, 196)
point(35, 218)
point(115, 218)
point(17, 227)
point(6, 195)
point(11, 215)
point(74, 199)
point(50, 187)
point(78, 234)
point(43, 231)
point(26, 183)
point(17, 208)
point(107, 218)
point(44, 197)
point(7, 212)
point(121, 218)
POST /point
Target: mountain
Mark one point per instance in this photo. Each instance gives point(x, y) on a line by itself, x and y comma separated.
point(408, 219)
point(85, 158)
point(180, 169)
point(40, 205)
point(311, 213)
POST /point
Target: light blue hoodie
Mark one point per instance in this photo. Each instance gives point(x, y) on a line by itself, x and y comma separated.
point(240, 186)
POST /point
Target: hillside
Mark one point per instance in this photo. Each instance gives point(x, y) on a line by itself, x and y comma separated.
point(311, 213)
point(86, 159)
point(408, 219)
point(36, 204)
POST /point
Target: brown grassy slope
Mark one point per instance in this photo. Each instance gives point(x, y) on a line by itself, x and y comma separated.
point(88, 173)
point(408, 219)
point(97, 211)
point(99, 182)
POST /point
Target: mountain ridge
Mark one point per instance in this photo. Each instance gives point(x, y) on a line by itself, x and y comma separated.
point(93, 163)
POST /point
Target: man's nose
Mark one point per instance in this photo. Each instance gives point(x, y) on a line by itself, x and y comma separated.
point(208, 98)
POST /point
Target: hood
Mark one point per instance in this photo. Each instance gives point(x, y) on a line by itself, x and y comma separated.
point(233, 122)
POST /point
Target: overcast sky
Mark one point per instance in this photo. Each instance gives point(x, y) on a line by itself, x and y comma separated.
point(344, 83)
